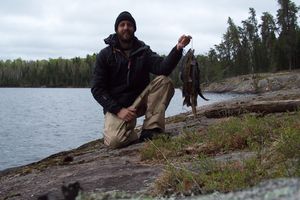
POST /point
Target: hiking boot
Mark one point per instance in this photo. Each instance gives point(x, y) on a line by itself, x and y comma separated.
point(148, 134)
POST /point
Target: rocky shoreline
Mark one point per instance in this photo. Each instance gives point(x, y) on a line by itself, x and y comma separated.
point(101, 170)
point(257, 83)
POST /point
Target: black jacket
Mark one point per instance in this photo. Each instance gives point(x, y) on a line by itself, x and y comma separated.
point(118, 79)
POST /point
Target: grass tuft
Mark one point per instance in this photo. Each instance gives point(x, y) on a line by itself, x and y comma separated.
point(170, 147)
point(275, 138)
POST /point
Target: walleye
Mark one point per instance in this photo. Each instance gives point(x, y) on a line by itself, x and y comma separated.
point(190, 76)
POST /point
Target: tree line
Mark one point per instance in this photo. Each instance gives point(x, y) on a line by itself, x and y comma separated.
point(75, 72)
point(273, 45)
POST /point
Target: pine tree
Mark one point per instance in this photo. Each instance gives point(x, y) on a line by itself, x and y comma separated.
point(268, 37)
point(287, 22)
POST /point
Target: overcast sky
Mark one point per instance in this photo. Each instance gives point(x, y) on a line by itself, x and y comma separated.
point(42, 29)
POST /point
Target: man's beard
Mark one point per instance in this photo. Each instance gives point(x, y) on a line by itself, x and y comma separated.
point(125, 39)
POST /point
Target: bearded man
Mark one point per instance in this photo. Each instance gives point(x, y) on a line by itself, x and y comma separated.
point(121, 84)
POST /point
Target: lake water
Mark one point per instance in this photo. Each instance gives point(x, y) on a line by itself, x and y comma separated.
point(38, 122)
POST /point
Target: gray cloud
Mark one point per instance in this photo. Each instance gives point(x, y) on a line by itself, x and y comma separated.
point(35, 29)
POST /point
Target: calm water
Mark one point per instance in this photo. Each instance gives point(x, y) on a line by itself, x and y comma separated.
point(38, 122)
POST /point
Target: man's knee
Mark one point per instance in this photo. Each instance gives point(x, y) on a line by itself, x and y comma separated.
point(169, 86)
point(165, 83)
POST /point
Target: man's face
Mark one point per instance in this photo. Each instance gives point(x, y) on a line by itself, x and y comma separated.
point(125, 31)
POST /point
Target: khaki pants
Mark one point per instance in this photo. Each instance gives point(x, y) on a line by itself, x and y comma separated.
point(152, 103)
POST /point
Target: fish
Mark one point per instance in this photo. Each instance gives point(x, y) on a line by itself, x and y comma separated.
point(190, 77)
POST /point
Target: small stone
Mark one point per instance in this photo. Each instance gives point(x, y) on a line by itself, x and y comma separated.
point(68, 159)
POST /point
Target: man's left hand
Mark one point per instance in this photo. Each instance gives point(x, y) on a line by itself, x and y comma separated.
point(183, 41)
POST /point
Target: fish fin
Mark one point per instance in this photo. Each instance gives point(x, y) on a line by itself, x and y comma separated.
point(187, 101)
point(201, 95)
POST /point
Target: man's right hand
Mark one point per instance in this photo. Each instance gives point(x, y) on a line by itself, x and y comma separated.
point(183, 41)
point(127, 114)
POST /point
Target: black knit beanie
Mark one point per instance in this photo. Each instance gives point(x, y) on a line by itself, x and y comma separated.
point(124, 16)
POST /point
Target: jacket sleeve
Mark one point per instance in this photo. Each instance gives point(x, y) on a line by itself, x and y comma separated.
point(163, 66)
point(99, 87)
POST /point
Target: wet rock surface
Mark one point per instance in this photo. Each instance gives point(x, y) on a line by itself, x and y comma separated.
point(93, 166)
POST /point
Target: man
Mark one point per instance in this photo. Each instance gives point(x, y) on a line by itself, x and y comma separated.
point(121, 84)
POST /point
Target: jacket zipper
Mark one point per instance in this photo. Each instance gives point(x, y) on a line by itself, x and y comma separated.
point(128, 65)
point(128, 72)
